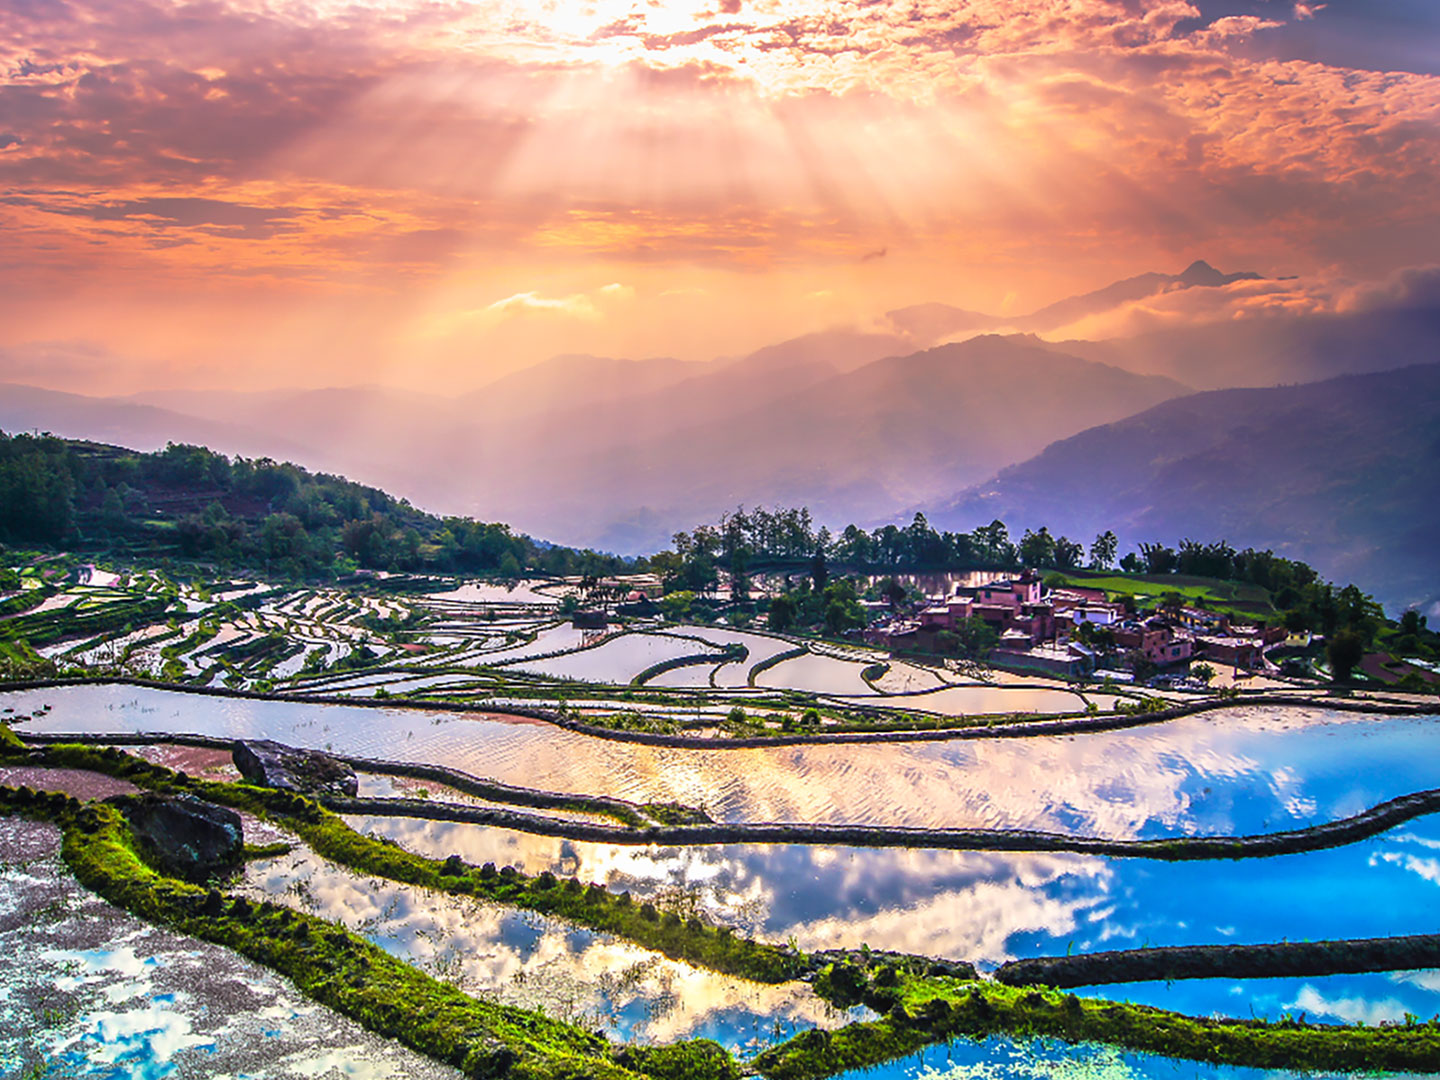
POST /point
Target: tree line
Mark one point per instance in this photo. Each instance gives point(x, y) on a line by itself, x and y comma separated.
point(743, 543)
point(194, 503)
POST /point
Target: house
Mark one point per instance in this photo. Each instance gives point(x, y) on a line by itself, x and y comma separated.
point(1055, 659)
point(1202, 621)
point(1013, 604)
point(1013, 593)
point(1241, 652)
point(1157, 640)
point(1076, 609)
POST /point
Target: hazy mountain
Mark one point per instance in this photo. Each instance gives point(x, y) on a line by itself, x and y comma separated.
point(860, 443)
point(931, 322)
point(140, 426)
point(510, 443)
point(572, 377)
point(1264, 351)
point(1339, 473)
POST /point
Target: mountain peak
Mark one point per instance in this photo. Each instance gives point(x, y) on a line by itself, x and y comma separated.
point(1201, 273)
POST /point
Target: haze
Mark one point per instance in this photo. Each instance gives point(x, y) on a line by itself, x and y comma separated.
point(604, 270)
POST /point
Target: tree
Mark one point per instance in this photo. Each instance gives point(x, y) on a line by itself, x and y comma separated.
point(739, 578)
point(1344, 651)
point(1037, 548)
point(1412, 622)
point(676, 605)
point(842, 608)
point(1068, 553)
point(1159, 559)
point(975, 637)
point(1102, 551)
point(1142, 666)
point(892, 592)
point(782, 613)
point(1202, 672)
point(1132, 564)
point(819, 571)
point(993, 543)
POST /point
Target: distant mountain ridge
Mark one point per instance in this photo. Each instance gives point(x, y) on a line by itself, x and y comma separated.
point(929, 322)
point(851, 423)
point(1341, 474)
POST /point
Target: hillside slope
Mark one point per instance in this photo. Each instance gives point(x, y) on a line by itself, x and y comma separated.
point(1340, 474)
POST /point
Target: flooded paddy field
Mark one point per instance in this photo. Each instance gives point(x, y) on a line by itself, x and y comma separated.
point(524, 959)
point(131, 1001)
point(990, 907)
point(1005, 1058)
point(1244, 770)
point(485, 638)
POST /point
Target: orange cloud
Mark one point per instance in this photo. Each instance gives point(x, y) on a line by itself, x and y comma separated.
point(152, 151)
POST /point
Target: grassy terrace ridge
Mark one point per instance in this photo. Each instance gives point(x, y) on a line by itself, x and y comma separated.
point(345, 972)
point(678, 832)
point(691, 940)
point(1344, 956)
point(919, 1010)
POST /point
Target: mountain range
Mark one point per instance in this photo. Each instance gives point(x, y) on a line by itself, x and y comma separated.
point(861, 426)
point(1340, 473)
point(933, 321)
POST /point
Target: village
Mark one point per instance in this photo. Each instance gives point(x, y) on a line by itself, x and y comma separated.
point(1078, 632)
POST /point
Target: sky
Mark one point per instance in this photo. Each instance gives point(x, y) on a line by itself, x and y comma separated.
point(432, 193)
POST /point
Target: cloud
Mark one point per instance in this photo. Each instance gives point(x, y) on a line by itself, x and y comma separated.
point(589, 306)
point(413, 147)
point(1413, 287)
point(1348, 1010)
point(1253, 300)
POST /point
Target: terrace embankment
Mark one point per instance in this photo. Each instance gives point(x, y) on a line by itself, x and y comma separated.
point(670, 825)
point(884, 727)
point(916, 1011)
point(1371, 822)
point(1294, 959)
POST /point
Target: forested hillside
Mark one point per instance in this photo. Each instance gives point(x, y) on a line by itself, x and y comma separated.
point(190, 502)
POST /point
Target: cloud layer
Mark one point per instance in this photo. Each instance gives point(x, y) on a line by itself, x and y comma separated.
point(345, 178)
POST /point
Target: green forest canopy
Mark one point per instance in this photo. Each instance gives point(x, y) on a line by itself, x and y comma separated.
point(191, 502)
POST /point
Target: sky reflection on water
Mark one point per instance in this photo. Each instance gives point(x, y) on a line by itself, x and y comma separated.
point(1242, 770)
point(989, 907)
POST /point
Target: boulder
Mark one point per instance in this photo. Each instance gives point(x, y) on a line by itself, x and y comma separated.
point(308, 772)
point(184, 836)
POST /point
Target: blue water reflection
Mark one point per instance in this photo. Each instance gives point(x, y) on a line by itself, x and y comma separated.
point(991, 907)
point(1000, 1058)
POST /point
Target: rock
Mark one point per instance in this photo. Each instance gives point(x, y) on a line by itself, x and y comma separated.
point(488, 1058)
point(309, 772)
point(184, 836)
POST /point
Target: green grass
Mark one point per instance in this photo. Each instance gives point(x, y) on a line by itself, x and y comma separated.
point(1219, 595)
point(691, 940)
point(347, 973)
point(917, 1011)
